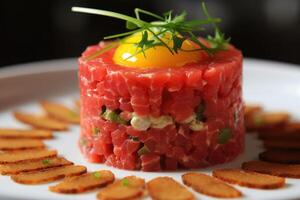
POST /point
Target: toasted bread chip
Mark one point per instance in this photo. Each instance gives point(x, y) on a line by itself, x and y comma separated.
point(27, 166)
point(264, 120)
point(288, 131)
point(249, 179)
point(276, 169)
point(20, 144)
point(26, 155)
point(282, 144)
point(162, 188)
point(61, 112)
point(19, 133)
point(42, 122)
point(130, 187)
point(49, 175)
point(210, 186)
point(85, 182)
point(281, 156)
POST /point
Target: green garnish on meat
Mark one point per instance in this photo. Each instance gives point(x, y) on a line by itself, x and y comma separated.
point(178, 26)
point(95, 131)
point(113, 116)
point(136, 139)
point(224, 135)
point(143, 150)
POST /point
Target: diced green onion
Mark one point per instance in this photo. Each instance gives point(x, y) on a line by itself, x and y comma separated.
point(224, 135)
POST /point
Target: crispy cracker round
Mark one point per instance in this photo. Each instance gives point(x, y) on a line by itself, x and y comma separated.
point(281, 156)
point(27, 166)
point(265, 120)
point(130, 187)
point(26, 155)
point(249, 179)
point(276, 169)
point(288, 131)
point(60, 112)
point(20, 144)
point(282, 144)
point(48, 175)
point(21, 133)
point(210, 186)
point(162, 188)
point(42, 122)
point(84, 182)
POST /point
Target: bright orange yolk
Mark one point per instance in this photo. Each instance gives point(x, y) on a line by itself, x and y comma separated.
point(156, 57)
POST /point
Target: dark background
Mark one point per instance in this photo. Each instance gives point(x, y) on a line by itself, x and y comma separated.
point(47, 29)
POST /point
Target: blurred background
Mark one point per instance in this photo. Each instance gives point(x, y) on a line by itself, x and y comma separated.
point(38, 30)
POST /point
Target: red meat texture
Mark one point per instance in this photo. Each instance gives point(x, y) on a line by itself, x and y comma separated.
point(176, 92)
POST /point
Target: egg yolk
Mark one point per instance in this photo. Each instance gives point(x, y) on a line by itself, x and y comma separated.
point(129, 55)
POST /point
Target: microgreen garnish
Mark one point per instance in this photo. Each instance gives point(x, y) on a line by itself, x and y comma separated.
point(46, 162)
point(97, 174)
point(125, 182)
point(224, 135)
point(177, 27)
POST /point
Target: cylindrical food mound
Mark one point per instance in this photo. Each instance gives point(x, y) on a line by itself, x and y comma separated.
point(161, 118)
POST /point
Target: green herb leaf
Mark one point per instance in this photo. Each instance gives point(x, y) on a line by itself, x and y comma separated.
point(175, 26)
point(97, 174)
point(180, 18)
point(130, 25)
point(143, 150)
point(177, 43)
point(46, 162)
point(125, 182)
point(224, 135)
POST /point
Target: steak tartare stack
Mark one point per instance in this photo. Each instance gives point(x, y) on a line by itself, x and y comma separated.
point(157, 100)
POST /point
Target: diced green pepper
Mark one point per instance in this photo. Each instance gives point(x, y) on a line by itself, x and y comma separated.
point(224, 135)
point(143, 150)
point(113, 116)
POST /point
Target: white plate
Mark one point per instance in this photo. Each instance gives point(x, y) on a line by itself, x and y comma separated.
point(275, 85)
